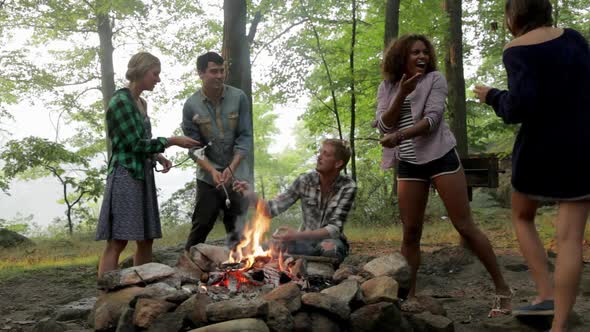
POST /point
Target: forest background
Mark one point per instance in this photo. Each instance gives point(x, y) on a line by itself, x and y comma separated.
point(321, 56)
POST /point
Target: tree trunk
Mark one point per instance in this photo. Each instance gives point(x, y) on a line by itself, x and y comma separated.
point(236, 52)
point(454, 73)
point(391, 32)
point(107, 71)
point(352, 95)
point(391, 21)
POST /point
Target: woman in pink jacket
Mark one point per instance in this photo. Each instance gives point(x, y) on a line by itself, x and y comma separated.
point(411, 103)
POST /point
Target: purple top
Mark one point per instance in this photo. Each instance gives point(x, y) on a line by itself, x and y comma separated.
point(427, 101)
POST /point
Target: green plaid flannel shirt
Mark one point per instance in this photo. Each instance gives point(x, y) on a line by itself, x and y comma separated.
point(130, 146)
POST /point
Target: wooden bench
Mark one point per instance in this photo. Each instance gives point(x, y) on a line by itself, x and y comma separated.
point(481, 171)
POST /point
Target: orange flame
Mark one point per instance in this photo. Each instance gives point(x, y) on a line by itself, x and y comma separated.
point(250, 247)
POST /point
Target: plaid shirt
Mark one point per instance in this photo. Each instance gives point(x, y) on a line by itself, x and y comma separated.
point(331, 216)
point(125, 127)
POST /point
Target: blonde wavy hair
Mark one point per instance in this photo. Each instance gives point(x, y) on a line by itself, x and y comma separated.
point(140, 64)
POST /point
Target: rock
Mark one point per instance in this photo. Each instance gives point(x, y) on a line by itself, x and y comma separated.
point(516, 267)
point(328, 303)
point(10, 239)
point(208, 257)
point(75, 310)
point(322, 323)
point(148, 310)
point(302, 322)
point(110, 306)
point(394, 265)
point(49, 325)
point(325, 270)
point(167, 322)
point(287, 294)
point(380, 289)
point(125, 323)
point(279, 318)
point(167, 256)
point(357, 260)
point(431, 305)
point(344, 272)
point(187, 270)
point(159, 290)
point(347, 291)
point(235, 309)
point(427, 322)
point(382, 316)
point(194, 309)
point(134, 275)
point(236, 325)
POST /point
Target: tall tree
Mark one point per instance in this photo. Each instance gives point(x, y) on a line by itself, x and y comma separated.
point(352, 135)
point(391, 21)
point(455, 78)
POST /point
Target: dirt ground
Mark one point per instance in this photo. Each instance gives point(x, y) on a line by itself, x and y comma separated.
point(450, 274)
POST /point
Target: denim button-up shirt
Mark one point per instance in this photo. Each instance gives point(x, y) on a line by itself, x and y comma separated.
point(427, 101)
point(228, 126)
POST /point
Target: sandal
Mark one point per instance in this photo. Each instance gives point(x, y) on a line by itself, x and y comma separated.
point(497, 309)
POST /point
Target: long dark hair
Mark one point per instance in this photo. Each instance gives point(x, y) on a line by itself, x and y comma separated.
point(523, 16)
point(396, 56)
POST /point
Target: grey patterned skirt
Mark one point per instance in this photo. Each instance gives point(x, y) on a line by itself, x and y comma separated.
point(130, 207)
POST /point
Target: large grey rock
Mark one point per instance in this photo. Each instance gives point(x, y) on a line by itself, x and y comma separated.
point(380, 289)
point(279, 318)
point(148, 310)
point(302, 322)
point(208, 257)
point(287, 294)
point(167, 322)
point(10, 239)
point(194, 309)
point(49, 325)
point(343, 272)
point(125, 323)
point(236, 309)
point(110, 306)
point(427, 322)
point(394, 265)
point(382, 316)
point(236, 325)
point(322, 323)
point(145, 273)
point(327, 303)
point(325, 270)
point(346, 291)
point(75, 310)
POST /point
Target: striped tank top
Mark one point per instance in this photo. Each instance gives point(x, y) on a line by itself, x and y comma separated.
point(406, 147)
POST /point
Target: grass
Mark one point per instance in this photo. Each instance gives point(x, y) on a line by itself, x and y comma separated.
point(81, 249)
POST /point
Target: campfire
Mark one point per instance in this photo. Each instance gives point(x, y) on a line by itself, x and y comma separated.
point(250, 266)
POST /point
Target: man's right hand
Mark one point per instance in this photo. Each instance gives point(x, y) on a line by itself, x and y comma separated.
point(183, 141)
point(217, 177)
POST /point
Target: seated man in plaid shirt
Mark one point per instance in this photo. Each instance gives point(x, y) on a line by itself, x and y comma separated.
point(326, 198)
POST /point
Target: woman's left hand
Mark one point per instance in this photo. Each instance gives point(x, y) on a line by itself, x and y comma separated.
point(390, 140)
point(167, 164)
point(481, 92)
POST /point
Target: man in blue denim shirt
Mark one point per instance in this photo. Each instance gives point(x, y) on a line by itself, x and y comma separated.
point(218, 116)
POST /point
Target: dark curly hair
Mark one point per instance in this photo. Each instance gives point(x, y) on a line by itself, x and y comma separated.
point(396, 56)
point(523, 16)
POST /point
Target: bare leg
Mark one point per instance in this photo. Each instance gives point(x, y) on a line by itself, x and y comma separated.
point(413, 196)
point(110, 257)
point(143, 253)
point(453, 191)
point(531, 247)
point(571, 222)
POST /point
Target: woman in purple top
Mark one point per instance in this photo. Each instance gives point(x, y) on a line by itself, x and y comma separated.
point(411, 103)
point(549, 95)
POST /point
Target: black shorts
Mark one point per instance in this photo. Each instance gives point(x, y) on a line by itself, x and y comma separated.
point(447, 164)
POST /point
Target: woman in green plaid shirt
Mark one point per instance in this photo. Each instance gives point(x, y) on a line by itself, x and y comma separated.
point(130, 208)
